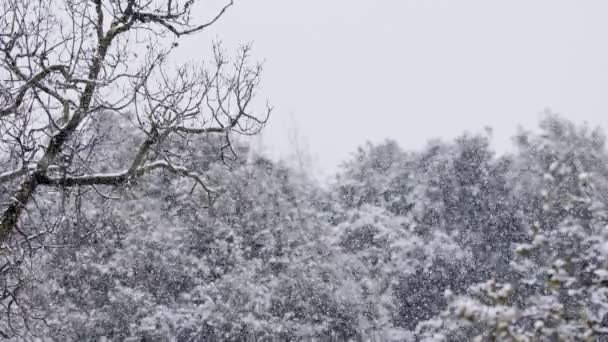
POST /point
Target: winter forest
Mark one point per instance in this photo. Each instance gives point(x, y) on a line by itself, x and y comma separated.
point(133, 206)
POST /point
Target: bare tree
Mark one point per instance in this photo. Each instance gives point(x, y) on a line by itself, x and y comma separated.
point(64, 64)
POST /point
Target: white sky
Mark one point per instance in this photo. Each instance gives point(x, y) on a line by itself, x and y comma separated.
point(349, 71)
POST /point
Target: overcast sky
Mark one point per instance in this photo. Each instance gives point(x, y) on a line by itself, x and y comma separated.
point(349, 71)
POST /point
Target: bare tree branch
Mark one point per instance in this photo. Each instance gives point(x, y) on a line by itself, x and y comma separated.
point(73, 87)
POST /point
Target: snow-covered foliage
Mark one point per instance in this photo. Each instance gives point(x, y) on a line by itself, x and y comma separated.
point(558, 282)
point(451, 243)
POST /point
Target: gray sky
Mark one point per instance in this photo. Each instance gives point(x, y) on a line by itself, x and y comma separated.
point(351, 70)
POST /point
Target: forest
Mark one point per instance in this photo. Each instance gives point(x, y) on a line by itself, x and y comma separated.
point(444, 244)
point(135, 208)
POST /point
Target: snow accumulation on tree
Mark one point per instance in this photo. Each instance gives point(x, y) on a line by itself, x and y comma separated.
point(131, 211)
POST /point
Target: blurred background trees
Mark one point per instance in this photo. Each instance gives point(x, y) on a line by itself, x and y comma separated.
point(443, 244)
